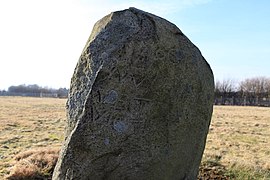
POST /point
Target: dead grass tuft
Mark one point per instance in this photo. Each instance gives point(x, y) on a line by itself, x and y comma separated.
point(34, 164)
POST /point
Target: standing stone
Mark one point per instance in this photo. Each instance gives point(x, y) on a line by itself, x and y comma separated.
point(140, 103)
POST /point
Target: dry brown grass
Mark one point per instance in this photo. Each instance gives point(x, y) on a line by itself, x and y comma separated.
point(239, 137)
point(29, 123)
point(34, 164)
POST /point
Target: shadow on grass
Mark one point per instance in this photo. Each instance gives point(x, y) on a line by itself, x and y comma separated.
point(212, 169)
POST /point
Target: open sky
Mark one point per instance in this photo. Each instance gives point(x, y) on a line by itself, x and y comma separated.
point(41, 40)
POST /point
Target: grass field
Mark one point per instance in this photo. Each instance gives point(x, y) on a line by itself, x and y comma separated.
point(28, 123)
point(239, 139)
point(238, 144)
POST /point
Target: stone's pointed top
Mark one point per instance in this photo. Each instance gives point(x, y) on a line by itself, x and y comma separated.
point(140, 100)
point(139, 11)
point(133, 9)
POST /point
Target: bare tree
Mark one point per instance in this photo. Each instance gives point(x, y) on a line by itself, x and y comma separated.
point(257, 86)
point(226, 86)
point(217, 87)
point(267, 87)
point(250, 91)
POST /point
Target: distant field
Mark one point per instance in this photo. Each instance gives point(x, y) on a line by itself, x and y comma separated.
point(238, 140)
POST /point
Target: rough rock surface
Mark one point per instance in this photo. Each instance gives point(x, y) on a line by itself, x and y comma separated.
point(140, 103)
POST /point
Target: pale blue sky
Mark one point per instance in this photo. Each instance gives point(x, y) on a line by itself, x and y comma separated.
point(41, 40)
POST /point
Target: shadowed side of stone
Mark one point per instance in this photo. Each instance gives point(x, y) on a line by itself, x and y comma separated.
point(140, 103)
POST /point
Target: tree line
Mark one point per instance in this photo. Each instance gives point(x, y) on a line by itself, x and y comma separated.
point(34, 90)
point(250, 91)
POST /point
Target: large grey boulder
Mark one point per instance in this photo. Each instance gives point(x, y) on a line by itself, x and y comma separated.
point(140, 103)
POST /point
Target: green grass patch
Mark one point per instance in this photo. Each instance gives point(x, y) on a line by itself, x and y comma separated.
point(240, 173)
